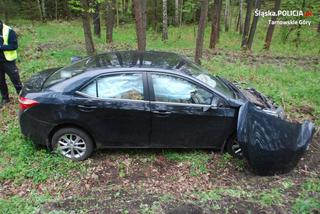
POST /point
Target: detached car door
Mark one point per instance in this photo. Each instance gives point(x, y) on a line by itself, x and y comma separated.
point(182, 114)
point(116, 108)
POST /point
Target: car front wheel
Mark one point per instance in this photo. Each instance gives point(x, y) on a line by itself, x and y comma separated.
point(72, 143)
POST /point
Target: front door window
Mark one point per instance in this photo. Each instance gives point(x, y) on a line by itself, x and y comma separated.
point(177, 90)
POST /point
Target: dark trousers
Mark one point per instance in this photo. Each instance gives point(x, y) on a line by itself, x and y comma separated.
point(12, 71)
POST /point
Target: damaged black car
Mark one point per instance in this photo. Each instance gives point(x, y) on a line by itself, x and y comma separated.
point(132, 99)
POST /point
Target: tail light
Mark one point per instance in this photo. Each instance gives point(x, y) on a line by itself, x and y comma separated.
point(25, 103)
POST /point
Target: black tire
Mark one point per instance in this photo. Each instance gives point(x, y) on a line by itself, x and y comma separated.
point(233, 147)
point(77, 141)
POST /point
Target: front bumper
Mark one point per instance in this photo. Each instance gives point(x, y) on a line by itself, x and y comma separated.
point(36, 130)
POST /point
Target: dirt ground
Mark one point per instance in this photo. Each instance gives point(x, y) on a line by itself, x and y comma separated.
point(131, 182)
point(146, 184)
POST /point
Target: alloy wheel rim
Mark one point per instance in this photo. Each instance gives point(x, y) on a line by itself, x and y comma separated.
point(72, 146)
point(236, 148)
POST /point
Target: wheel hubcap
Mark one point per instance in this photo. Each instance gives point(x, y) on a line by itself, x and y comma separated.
point(71, 146)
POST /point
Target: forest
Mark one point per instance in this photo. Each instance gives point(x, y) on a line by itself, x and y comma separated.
point(270, 45)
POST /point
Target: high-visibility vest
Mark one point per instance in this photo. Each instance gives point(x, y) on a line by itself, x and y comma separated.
point(9, 55)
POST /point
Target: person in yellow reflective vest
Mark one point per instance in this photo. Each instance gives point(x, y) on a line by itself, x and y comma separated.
point(8, 56)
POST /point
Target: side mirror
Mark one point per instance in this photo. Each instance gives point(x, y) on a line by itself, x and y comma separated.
point(75, 59)
point(215, 104)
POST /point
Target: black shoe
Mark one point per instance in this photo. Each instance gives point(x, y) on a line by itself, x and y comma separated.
point(4, 102)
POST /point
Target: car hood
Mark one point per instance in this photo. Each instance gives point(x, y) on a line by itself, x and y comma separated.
point(258, 98)
point(35, 83)
point(249, 94)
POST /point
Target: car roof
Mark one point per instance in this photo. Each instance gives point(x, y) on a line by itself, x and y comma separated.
point(137, 59)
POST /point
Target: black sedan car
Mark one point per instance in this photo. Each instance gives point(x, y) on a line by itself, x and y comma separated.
point(132, 99)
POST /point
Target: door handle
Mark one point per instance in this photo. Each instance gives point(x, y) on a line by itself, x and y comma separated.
point(86, 108)
point(162, 113)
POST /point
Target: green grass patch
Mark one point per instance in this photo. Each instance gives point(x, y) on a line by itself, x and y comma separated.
point(309, 199)
point(23, 205)
point(20, 160)
point(197, 159)
point(270, 197)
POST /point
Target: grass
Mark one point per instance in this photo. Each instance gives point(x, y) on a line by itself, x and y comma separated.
point(309, 199)
point(52, 44)
point(271, 197)
point(18, 204)
point(21, 160)
point(196, 159)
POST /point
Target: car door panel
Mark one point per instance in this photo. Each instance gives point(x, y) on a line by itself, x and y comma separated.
point(115, 122)
point(187, 125)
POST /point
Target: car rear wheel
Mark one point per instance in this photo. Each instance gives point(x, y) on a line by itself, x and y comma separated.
point(72, 143)
point(233, 147)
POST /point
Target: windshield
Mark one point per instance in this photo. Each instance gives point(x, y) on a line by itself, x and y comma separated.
point(204, 76)
point(70, 71)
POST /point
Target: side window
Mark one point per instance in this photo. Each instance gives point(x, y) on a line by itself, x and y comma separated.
point(119, 86)
point(176, 90)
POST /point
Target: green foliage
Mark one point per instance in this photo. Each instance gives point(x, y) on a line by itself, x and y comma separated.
point(189, 9)
point(75, 5)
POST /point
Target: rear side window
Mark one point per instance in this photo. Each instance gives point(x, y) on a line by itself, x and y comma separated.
point(69, 71)
point(119, 86)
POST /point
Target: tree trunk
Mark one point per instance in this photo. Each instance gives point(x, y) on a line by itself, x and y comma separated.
point(215, 24)
point(66, 9)
point(154, 16)
point(318, 27)
point(87, 28)
point(140, 30)
point(271, 27)
point(164, 20)
point(144, 14)
point(181, 13)
point(246, 24)
point(219, 17)
point(226, 16)
point(240, 18)
point(254, 25)
point(176, 13)
point(43, 8)
point(299, 26)
point(126, 4)
point(56, 9)
point(40, 10)
point(116, 7)
point(109, 21)
point(201, 29)
point(96, 20)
